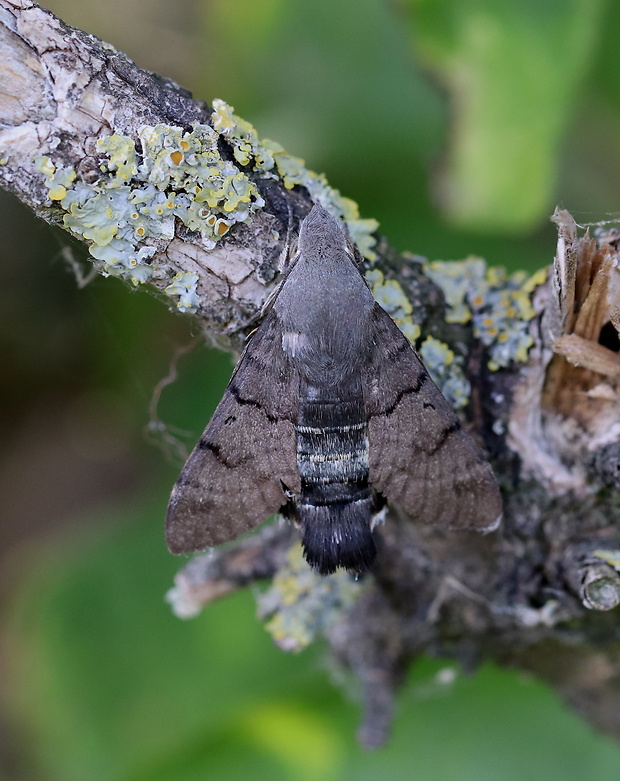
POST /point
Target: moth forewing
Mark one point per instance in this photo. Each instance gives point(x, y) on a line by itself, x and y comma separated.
point(245, 461)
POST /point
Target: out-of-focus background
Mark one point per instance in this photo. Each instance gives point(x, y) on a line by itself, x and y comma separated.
point(459, 126)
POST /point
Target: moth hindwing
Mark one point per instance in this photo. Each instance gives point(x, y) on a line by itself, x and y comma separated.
point(329, 414)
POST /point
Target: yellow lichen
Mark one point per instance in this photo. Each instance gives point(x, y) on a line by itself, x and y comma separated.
point(498, 303)
point(267, 155)
point(301, 603)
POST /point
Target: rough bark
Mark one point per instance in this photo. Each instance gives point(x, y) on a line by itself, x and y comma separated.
point(537, 594)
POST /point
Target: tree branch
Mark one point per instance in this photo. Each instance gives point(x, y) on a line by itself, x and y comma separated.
point(66, 95)
point(166, 191)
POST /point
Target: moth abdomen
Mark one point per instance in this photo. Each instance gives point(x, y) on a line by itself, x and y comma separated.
point(338, 534)
point(336, 503)
point(330, 491)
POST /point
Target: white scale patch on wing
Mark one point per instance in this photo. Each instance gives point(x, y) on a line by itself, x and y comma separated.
point(294, 343)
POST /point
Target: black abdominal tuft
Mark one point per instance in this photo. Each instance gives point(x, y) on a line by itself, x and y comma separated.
point(336, 536)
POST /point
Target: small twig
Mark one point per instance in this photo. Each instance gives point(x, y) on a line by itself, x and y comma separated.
point(82, 278)
point(167, 437)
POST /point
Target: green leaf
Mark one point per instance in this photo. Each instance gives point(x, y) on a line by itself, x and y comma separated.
point(513, 72)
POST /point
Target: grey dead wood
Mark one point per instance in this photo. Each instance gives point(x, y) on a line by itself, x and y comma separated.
point(538, 593)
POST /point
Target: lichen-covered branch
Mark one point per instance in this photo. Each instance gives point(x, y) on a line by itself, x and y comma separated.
point(170, 192)
point(162, 188)
point(539, 360)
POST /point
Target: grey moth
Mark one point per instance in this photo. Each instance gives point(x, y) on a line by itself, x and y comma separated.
point(328, 415)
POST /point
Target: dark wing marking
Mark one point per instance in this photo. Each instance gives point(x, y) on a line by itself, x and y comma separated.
point(421, 459)
point(237, 475)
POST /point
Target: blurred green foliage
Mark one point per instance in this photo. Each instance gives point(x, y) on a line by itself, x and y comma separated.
point(114, 687)
point(104, 684)
point(512, 71)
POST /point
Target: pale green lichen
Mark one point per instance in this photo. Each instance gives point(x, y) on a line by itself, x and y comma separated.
point(390, 295)
point(446, 371)
point(444, 367)
point(125, 214)
point(611, 557)
point(122, 154)
point(498, 305)
point(458, 280)
point(268, 157)
point(184, 286)
point(57, 180)
point(133, 205)
point(190, 163)
point(300, 603)
point(243, 136)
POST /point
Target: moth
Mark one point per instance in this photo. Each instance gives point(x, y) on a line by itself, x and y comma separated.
point(329, 414)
